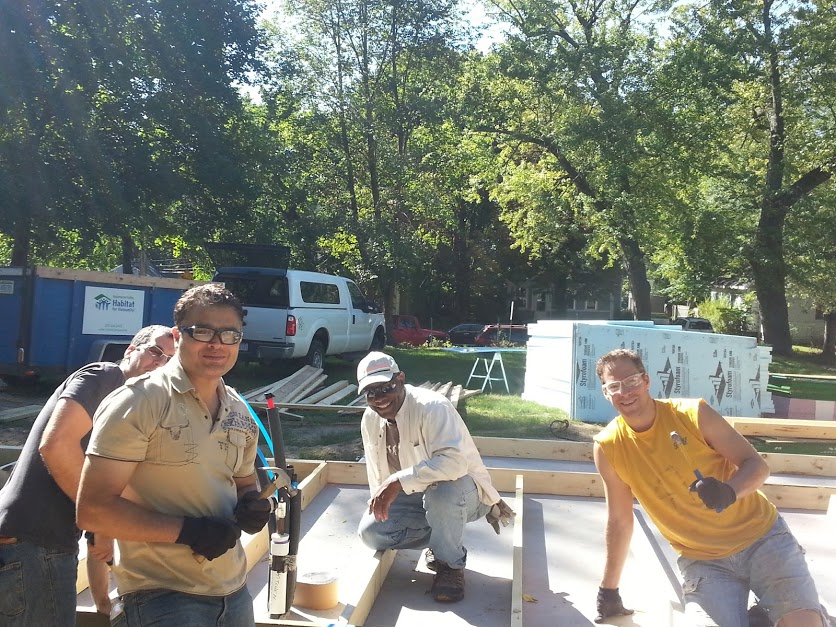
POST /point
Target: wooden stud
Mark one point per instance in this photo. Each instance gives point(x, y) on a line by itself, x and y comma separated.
point(799, 496)
point(312, 485)
point(785, 427)
point(549, 482)
point(307, 388)
point(318, 396)
point(516, 580)
point(343, 408)
point(364, 588)
point(455, 395)
point(793, 464)
point(534, 449)
point(348, 389)
point(444, 390)
point(113, 277)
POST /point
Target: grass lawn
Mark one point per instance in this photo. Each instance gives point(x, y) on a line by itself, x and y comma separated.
point(491, 414)
point(804, 360)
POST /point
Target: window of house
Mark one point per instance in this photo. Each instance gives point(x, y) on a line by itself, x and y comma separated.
point(541, 301)
point(591, 304)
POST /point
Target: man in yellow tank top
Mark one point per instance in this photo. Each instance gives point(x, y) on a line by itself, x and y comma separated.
point(730, 538)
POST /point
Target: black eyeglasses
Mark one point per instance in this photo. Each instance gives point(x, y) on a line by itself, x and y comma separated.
point(386, 389)
point(157, 353)
point(207, 334)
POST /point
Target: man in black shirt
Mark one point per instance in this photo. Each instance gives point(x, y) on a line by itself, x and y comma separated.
point(38, 534)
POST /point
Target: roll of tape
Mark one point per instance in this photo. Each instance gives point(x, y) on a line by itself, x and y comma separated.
point(316, 591)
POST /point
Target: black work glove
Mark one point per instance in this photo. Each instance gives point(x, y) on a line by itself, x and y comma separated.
point(252, 513)
point(208, 536)
point(714, 493)
point(609, 604)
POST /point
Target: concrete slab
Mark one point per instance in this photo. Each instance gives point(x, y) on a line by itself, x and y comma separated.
point(562, 557)
point(563, 560)
point(404, 600)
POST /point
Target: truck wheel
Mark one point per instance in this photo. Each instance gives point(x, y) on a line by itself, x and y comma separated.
point(316, 354)
point(378, 341)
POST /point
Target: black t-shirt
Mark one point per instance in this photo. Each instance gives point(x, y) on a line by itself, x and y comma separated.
point(32, 506)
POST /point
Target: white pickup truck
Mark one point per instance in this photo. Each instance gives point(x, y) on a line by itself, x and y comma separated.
point(293, 314)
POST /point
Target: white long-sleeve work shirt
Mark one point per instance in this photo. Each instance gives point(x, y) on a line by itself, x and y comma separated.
point(435, 445)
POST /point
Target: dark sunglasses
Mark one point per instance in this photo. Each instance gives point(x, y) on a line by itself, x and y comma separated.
point(207, 334)
point(386, 389)
point(157, 353)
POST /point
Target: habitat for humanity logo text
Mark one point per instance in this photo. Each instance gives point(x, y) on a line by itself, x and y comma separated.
point(115, 303)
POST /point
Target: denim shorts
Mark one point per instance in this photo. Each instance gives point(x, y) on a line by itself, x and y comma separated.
point(168, 608)
point(716, 592)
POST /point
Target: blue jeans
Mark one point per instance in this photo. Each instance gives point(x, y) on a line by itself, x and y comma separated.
point(716, 592)
point(168, 608)
point(37, 586)
point(434, 518)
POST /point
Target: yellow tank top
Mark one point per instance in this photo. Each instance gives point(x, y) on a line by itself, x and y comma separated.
point(659, 476)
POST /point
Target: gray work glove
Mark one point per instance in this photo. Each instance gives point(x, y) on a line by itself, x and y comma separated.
point(500, 513)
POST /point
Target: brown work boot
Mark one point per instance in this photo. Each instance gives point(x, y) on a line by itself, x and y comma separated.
point(448, 584)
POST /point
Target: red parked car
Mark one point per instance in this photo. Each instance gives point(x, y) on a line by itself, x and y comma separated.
point(407, 330)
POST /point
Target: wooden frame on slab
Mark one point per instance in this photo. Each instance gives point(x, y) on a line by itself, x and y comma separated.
point(358, 595)
point(557, 450)
point(785, 427)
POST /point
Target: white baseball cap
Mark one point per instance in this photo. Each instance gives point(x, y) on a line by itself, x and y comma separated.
point(376, 367)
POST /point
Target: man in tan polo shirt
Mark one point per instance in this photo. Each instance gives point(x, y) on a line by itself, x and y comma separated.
point(170, 473)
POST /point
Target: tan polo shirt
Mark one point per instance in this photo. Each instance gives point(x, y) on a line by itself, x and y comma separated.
point(186, 467)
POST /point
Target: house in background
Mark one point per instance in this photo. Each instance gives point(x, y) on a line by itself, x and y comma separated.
point(548, 298)
point(806, 322)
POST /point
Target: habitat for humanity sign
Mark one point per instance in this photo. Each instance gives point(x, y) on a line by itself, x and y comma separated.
point(109, 311)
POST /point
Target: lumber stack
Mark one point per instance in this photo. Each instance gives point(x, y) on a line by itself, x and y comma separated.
point(305, 389)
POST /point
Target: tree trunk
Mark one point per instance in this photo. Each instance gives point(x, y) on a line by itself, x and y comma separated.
point(559, 300)
point(768, 266)
point(829, 348)
point(772, 301)
point(637, 277)
point(127, 254)
point(22, 242)
point(461, 267)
